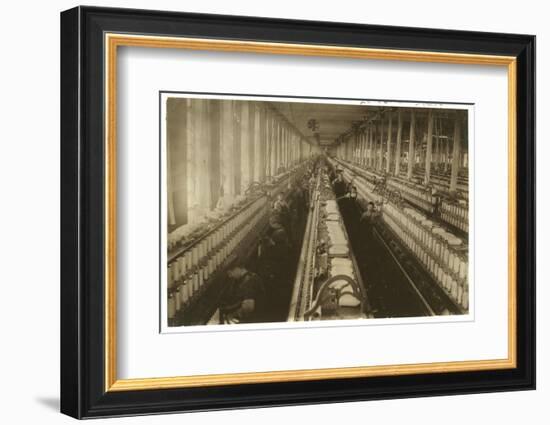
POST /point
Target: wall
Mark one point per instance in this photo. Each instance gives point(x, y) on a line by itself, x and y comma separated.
point(29, 228)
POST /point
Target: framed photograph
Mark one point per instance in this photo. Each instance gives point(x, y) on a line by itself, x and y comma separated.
point(261, 212)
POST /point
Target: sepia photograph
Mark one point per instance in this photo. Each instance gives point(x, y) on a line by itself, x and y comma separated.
point(262, 212)
point(290, 209)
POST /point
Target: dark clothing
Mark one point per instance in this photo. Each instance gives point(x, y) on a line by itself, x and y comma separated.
point(280, 262)
point(281, 211)
point(368, 218)
point(340, 188)
point(280, 250)
point(248, 286)
point(436, 206)
point(369, 241)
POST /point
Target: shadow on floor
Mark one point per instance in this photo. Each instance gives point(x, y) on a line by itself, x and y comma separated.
point(49, 402)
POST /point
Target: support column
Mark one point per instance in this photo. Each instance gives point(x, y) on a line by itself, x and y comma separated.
point(362, 148)
point(269, 142)
point(410, 162)
point(273, 157)
point(380, 132)
point(176, 132)
point(288, 145)
point(287, 149)
point(456, 154)
point(253, 142)
point(214, 151)
point(236, 154)
point(277, 141)
point(449, 153)
point(192, 201)
point(365, 147)
point(355, 144)
point(227, 137)
point(369, 155)
point(282, 162)
point(261, 143)
point(437, 145)
point(388, 150)
point(245, 139)
point(283, 146)
point(429, 141)
point(204, 146)
point(398, 143)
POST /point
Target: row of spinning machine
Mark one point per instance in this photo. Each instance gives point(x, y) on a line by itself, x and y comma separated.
point(436, 239)
point(197, 263)
point(328, 284)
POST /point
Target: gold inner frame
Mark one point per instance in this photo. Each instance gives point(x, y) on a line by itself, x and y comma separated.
point(113, 41)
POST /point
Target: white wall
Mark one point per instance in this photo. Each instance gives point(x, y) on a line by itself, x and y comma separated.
point(29, 224)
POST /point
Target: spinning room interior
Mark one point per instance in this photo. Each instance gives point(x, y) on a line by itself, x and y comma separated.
point(311, 209)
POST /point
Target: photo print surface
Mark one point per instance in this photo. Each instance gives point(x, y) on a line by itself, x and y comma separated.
point(311, 210)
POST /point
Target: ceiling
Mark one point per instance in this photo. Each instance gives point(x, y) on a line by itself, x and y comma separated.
point(334, 120)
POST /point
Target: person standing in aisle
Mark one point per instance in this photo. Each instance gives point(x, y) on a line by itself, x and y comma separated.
point(282, 211)
point(339, 185)
point(244, 298)
point(369, 240)
point(278, 258)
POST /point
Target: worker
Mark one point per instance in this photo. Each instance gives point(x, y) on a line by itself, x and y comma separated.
point(331, 174)
point(244, 297)
point(367, 225)
point(280, 264)
point(339, 184)
point(282, 211)
point(368, 218)
point(278, 235)
point(280, 204)
point(297, 211)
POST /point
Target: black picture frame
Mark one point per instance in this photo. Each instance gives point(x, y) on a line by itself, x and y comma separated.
point(83, 392)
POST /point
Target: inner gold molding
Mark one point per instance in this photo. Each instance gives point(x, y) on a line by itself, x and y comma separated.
point(111, 43)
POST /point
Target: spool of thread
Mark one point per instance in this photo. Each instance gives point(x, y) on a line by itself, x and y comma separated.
point(175, 270)
point(454, 289)
point(200, 252)
point(204, 249)
point(182, 265)
point(446, 281)
point(195, 282)
point(456, 264)
point(195, 256)
point(445, 254)
point(465, 298)
point(171, 307)
point(170, 276)
point(463, 269)
point(202, 277)
point(185, 292)
point(188, 261)
point(177, 299)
